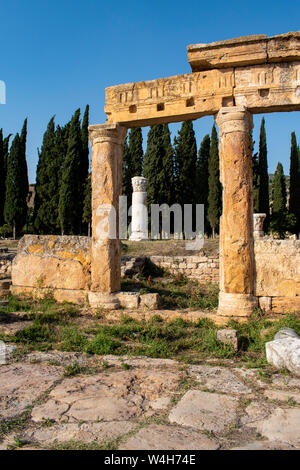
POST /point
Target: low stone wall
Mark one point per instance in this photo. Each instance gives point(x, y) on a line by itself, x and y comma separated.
point(5, 264)
point(277, 264)
point(63, 264)
point(203, 268)
point(53, 262)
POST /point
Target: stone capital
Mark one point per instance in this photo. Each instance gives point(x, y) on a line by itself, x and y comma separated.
point(107, 133)
point(139, 184)
point(234, 119)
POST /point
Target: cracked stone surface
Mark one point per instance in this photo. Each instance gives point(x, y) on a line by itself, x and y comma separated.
point(218, 378)
point(21, 384)
point(205, 411)
point(60, 357)
point(80, 432)
point(156, 404)
point(282, 425)
point(283, 395)
point(160, 437)
point(106, 396)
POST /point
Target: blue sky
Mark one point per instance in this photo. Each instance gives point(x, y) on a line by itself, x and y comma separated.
point(57, 56)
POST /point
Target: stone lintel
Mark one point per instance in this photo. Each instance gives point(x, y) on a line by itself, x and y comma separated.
point(261, 88)
point(247, 50)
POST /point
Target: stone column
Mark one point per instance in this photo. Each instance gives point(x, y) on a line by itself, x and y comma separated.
point(236, 226)
point(107, 142)
point(258, 225)
point(139, 213)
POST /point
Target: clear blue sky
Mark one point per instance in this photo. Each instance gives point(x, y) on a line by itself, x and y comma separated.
point(57, 56)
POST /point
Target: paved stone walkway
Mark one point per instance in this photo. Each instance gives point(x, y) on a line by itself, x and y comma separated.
point(143, 403)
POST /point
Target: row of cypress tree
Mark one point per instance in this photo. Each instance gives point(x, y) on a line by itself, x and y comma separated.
point(286, 211)
point(180, 174)
point(176, 174)
point(62, 178)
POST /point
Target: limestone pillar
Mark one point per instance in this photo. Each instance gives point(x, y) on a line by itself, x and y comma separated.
point(107, 142)
point(258, 225)
point(236, 226)
point(139, 213)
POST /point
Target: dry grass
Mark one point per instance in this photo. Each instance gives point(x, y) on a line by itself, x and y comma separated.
point(167, 248)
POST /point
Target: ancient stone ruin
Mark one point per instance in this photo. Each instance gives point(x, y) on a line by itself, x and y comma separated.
point(231, 80)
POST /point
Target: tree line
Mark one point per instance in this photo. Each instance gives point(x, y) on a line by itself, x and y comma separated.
point(62, 190)
point(177, 172)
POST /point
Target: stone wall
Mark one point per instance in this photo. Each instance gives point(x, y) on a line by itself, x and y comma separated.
point(5, 264)
point(63, 265)
point(277, 264)
point(53, 262)
point(201, 267)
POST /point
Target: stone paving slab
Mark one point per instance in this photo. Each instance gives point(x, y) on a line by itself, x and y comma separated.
point(265, 445)
point(205, 411)
point(160, 437)
point(281, 425)
point(122, 395)
point(219, 379)
point(80, 432)
point(283, 395)
point(21, 384)
point(155, 404)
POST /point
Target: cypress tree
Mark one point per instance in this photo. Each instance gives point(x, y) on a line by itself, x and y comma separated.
point(294, 201)
point(5, 152)
point(214, 186)
point(70, 208)
point(87, 205)
point(165, 173)
point(279, 212)
point(47, 182)
point(84, 160)
point(136, 151)
point(263, 177)
point(185, 153)
point(3, 172)
point(23, 139)
point(202, 177)
point(2, 178)
point(152, 162)
point(132, 160)
point(279, 191)
point(15, 208)
point(126, 178)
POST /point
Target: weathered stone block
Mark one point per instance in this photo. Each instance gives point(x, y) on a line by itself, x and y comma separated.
point(228, 336)
point(128, 299)
point(53, 262)
point(150, 301)
point(285, 351)
point(231, 52)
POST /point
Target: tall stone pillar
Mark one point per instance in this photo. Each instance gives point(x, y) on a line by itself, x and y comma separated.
point(107, 142)
point(139, 213)
point(236, 296)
